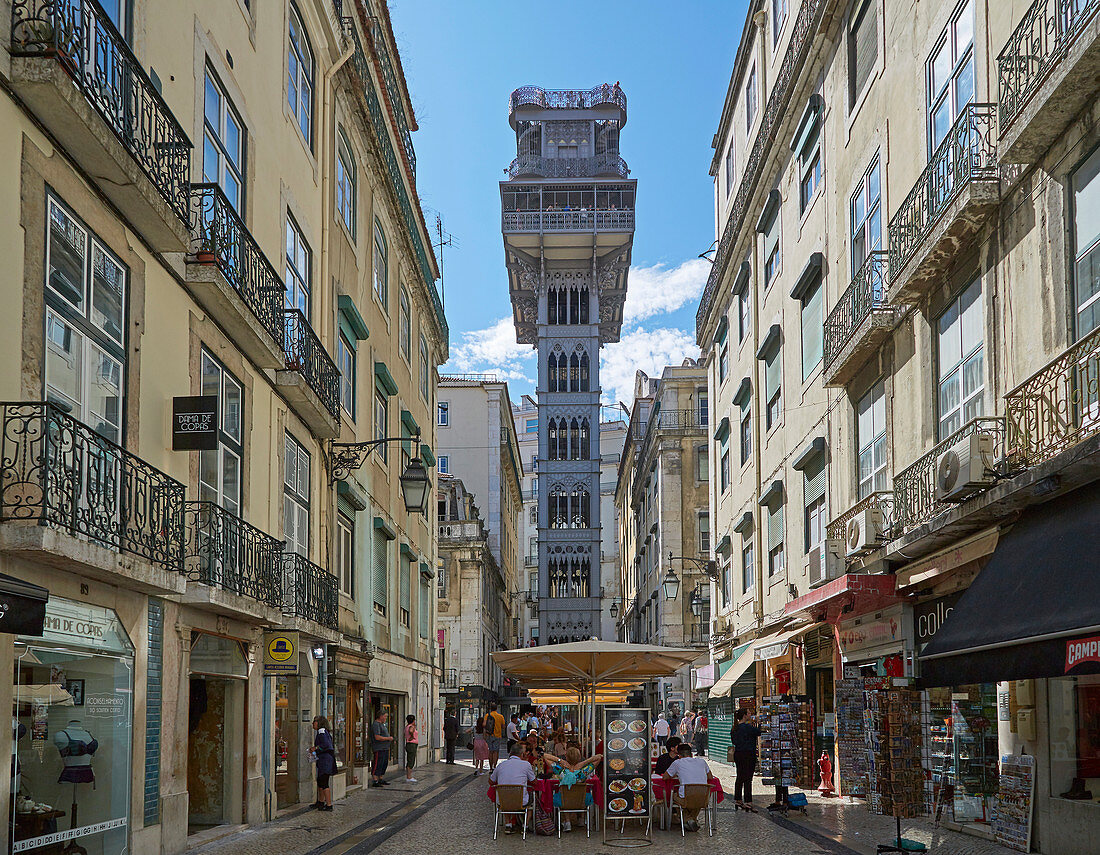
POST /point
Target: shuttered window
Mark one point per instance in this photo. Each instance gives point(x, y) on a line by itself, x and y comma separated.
point(772, 387)
point(406, 590)
point(813, 330)
point(381, 590)
point(814, 499)
point(862, 47)
point(775, 538)
point(425, 608)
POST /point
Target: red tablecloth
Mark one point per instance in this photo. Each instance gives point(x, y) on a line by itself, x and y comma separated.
point(544, 789)
point(664, 787)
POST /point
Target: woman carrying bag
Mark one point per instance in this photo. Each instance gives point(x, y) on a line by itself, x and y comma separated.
point(324, 755)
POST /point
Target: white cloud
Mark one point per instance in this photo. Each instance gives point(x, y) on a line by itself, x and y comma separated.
point(658, 289)
point(493, 350)
point(639, 349)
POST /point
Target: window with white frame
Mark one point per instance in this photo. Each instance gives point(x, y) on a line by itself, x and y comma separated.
point(702, 405)
point(750, 101)
point(951, 73)
point(704, 533)
point(773, 257)
point(723, 362)
point(862, 47)
point(404, 606)
point(220, 469)
point(866, 211)
point(296, 465)
point(773, 391)
point(345, 552)
point(300, 70)
point(381, 262)
point(298, 268)
point(441, 578)
point(443, 464)
point(744, 321)
point(871, 440)
point(379, 574)
point(748, 566)
point(780, 9)
point(404, 323)
point(813, 497)
point(702, 464)
point(809, 166)
point(959, 351)
point(222, 142)
point(745, 434)
point(730, 168)
point(725, 577)
point(1086, 233)
point(813, 328)
point(345, 361)
point(775, 538)
point(346, 183)
point(443, 413)
point(724, 471)
point(381, 421)
point(425, 369)
point(424, 612)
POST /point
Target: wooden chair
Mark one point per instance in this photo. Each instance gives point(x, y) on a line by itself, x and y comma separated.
point(509, 802)
point(573, 802)
point(696, 798)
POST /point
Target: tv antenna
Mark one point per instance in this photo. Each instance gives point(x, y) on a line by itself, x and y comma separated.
point(445, 238)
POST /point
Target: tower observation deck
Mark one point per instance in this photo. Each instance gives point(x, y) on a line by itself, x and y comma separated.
point(567, 217)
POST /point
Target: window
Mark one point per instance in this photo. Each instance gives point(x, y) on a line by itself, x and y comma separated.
point(345, 361)
point(1073, 731)
point(441, 579)
point(775, 539)
point(702, 463)
point(809, 167)
point(750, 101)
point(746, 435)
point(425, 370)
point(813, 329)
point(773, 261)
point(296, 496)
point(532, 425)
point(704, 534)
point(443, 414)
point(534, 515)
point(951, 74)
point(222, 142)
point(959, 349)
point(346, 184)
point(862, 47)
point(723, 363)
point(702, 405)
point(298, 268)
point(443, 464)
point(85, 322)
point(405, 604)
point(871, 440)
point(725, 576)
point(345, 552)
point(813, 497)
point(743, 320)
point(748, 570)
point(773, 392)
point(866, 216)
point(425, 610)
point(380, 580)
point(569, 509)
point(1086, 232)
point(724, 473)
point(381, 274)
point(730, 168)
point(299, 89)
point(404, 324)
point(381, 420)
point(779, 17)
point(220, 470)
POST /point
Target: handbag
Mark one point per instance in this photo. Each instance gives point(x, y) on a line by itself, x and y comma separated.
point(544, 819)
point(470, 745)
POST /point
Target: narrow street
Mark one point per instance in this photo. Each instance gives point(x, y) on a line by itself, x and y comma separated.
point(447, 812)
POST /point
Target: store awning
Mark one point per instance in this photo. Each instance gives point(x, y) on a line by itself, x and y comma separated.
point(22, 606)
point(852, 594)
point(1034, 610)
point(777, 645)
point(742, 660)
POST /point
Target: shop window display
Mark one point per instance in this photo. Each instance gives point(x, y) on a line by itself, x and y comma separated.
point(1075, 737)
point(72, 726)
point(962, 753)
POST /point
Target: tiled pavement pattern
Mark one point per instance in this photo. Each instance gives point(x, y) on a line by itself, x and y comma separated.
point(447, 813)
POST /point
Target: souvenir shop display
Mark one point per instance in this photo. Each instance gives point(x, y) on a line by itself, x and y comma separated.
point(892, 730)
point(1012, 810)
point(786, 744)
point(851, 750)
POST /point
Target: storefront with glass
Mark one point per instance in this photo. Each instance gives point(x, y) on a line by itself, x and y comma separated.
point(349, 716)
point(72, 711)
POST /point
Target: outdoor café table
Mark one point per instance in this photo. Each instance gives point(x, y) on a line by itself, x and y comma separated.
point(544, 788)
point(663, 788)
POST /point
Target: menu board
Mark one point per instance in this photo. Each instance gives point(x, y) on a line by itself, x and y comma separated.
point(1012, 810)
point(626, 758)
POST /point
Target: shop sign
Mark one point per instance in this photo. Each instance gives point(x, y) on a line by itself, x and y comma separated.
point(772, 651)
point(280, 653)
point(929, 617)
point(195, 423)
point(873, 634)
point(85, 625)
point(1082, 650)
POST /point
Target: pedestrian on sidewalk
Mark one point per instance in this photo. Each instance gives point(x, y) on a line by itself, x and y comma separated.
point(324, 755)
point(481, 746)
point(494, 734)
point(687, 726)
point(380, 740)
point(744, 735)
point(450, 734)
point(661, 730)
point(701, 725)
point(412, 742)
point(512, 731)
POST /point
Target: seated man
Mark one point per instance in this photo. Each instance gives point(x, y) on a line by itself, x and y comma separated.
point(672, 744)
point(689, 770)
point(512, 772)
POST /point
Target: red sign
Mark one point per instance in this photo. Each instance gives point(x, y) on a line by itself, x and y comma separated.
point(1082, 650)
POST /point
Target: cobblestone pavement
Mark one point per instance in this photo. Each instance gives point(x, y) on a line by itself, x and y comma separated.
point(447, 813)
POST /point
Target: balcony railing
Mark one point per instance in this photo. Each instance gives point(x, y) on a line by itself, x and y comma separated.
point(530, 561)
point(309, 591)
point(568, 167)
point(915, 500)
point(467, 378)
point(224, 551)
point(700, 634)
point(967, 153)
point(221, 238)
point(1041, 40)
point(680, 420)
point(393, 91)
point(865, 295)
point(450, 678)
point(882, 501)
point(80, 36)
point(306, 355)
point(59, 472)
point(567, 221)
point(1057, 407)
point(567, 99)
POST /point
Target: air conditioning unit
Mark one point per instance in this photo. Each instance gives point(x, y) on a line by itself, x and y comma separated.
point(965, 468)
point(825, 562)
point(863, 532)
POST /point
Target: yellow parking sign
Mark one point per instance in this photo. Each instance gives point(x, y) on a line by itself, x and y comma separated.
point(280, 653)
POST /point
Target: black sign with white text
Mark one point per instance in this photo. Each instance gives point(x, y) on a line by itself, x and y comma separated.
point(195, 423)
point(929, 617)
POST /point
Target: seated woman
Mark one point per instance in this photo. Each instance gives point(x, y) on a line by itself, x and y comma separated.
point(572, 771)
point(556, 745)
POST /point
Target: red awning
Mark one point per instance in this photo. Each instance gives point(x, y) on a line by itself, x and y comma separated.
point(849, 596)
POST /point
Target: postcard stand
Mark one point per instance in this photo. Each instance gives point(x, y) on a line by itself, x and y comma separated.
point(628, 788)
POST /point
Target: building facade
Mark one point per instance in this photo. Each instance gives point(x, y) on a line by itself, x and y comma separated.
point(526, 416)
point(568, 224)
point(900, 343)
point(212, 280)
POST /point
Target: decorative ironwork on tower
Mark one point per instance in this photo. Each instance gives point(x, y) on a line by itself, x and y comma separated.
point(568, 225)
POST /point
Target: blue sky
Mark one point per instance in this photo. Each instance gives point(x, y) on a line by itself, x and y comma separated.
point(463, 58)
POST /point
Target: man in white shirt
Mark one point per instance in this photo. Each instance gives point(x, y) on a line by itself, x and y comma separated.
point(661, 730)
point(512, 731)
point(515, 771)
point(689, 770)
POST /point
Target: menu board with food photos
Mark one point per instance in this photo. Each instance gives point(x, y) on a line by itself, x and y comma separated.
point(626, 759)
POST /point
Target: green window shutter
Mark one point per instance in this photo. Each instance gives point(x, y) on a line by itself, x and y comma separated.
point(813, 482)
point(406, 583)
point(775, 526)
point(772, 374)
point(381, 546)
point(813, 330)
point(425, 609)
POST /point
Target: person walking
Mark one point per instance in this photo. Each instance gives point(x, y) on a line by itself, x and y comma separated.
point(412, 742)
point(481, 746)
point(687, 726)
point(380, 740)
point(744, 735)
point(494, 734)
point(324, 755)
point(512, 732)
point(661, 730)
point(701, 725)
point(450, 734)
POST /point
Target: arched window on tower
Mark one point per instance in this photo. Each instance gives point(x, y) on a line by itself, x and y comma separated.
point(585, 440)
point(552, 439)
point(574, 307)
point(574, 440)
point(579, 503)
point(584, 373)
point(574, 373)
point(552, 306)
point(582, 298)
point(552, 373)
point(559, 508)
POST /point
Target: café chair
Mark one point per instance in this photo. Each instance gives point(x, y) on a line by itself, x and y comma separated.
point(509, 802)
point(573, 802)
point(696, 798)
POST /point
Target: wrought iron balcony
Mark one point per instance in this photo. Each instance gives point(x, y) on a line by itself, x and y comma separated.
point(1057, 407)
point(224, 551)
point(700, 634)
point(1037, 67)
point(220, 238)
point(859, 322)
point(309, 592)
point(882, 502)
point(80, 36)
point(450, 678)
point(915, 499)
point(567, 99)
point(921, 246)
point(527, 165)
point(307, 356)
point(682, 420)
point(58, 472)
point(531, 561)
point(393, 91)
point(567, 221)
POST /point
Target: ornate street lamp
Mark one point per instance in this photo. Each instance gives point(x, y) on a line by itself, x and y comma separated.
point(671, 584)
point(696, 602)
point(615, 610)
point(415, 486)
